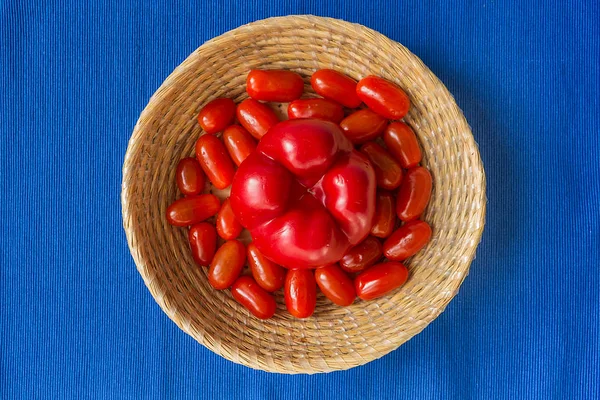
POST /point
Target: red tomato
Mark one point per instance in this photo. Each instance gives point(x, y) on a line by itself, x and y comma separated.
point(239, 143)
point(335, 285)
point(227, 264)
point(316, 108)
point(247, 292)
point(192, 209)
point(214, 160)
point(268, 275)
point(189, 176)
point(407, 240)
point(300, 292)
point(414, 194)
point(380, 279)
point(364, 254)
point(274, 85)
point(228, 226)
point(256, 117)
point(384, 97)
point(385, 215)
point(217, 115)
point(387, 170)
point(335, 86)
point(203, 242)
point(402, 142)
point(363, 126)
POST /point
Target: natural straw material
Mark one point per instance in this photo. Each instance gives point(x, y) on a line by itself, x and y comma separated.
point(335, 337)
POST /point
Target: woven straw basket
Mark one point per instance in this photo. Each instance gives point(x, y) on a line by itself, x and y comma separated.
point(334, 338)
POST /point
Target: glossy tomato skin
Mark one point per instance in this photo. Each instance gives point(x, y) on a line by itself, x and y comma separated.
point(363, 126)
point(203, 243)
point(363, 255)
point(189, 176)
point(214, 160)
point(384, 97)
point(335, 86)
point(300, 292)
point(192, 209)
point(335, 285)
point(402, 142)
point(217, 115)
point(256, 117)
point(274, 85)
point(414, 194)
point(267, 274)
point(316, 108)
point(407, 240)
point(228, 227)
point(227, 264)
point(387, 170)
point(239, 143)
point(380, 279)
point(254, 298)
point(385, 215)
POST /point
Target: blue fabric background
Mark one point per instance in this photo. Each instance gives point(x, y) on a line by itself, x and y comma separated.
point(77, 320)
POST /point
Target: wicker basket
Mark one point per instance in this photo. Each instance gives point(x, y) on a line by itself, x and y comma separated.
point(335, 338)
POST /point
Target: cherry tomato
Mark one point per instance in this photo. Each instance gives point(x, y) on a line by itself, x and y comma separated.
point(335, 285)
point(387, 170)
point(217, 115)
point(239, 143)
point(384, 97)
point(203, 242)
point(274, 85)
point(402, 142)
point(380, 279)
point(385, 215)
point(214, 160)
point(300, 292)
point(316, 108)
point(256, 300)
point(189, 176)
point(268, 275)
point(407, 240)
point(227, 264)
point(192, 209)
point(335, 86)
point(256, 117)
point(361, 256)
point(363, 126)
point(228, 226)
point(414, 194)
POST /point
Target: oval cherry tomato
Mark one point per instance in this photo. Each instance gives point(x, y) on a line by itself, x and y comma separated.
point(214, 160)
point(363, 126)
point(407, 240)
point(385, 215)
point(335, 285)
point(239, 143)
point(203, 242)
point(402, 142)
point(364, 254)
point(316, 108)
point(256, 300)
point(300, 292)
point(274, 85)
point(189, 176)
point(267, 274)
point(227, 264)
point(256, 117)
point(414, 194)
point(384, 97)
point(387, 170)
point(228, 226)
point(335, 86)
point(192, 209)
point(380, 279)
point(217, 115)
